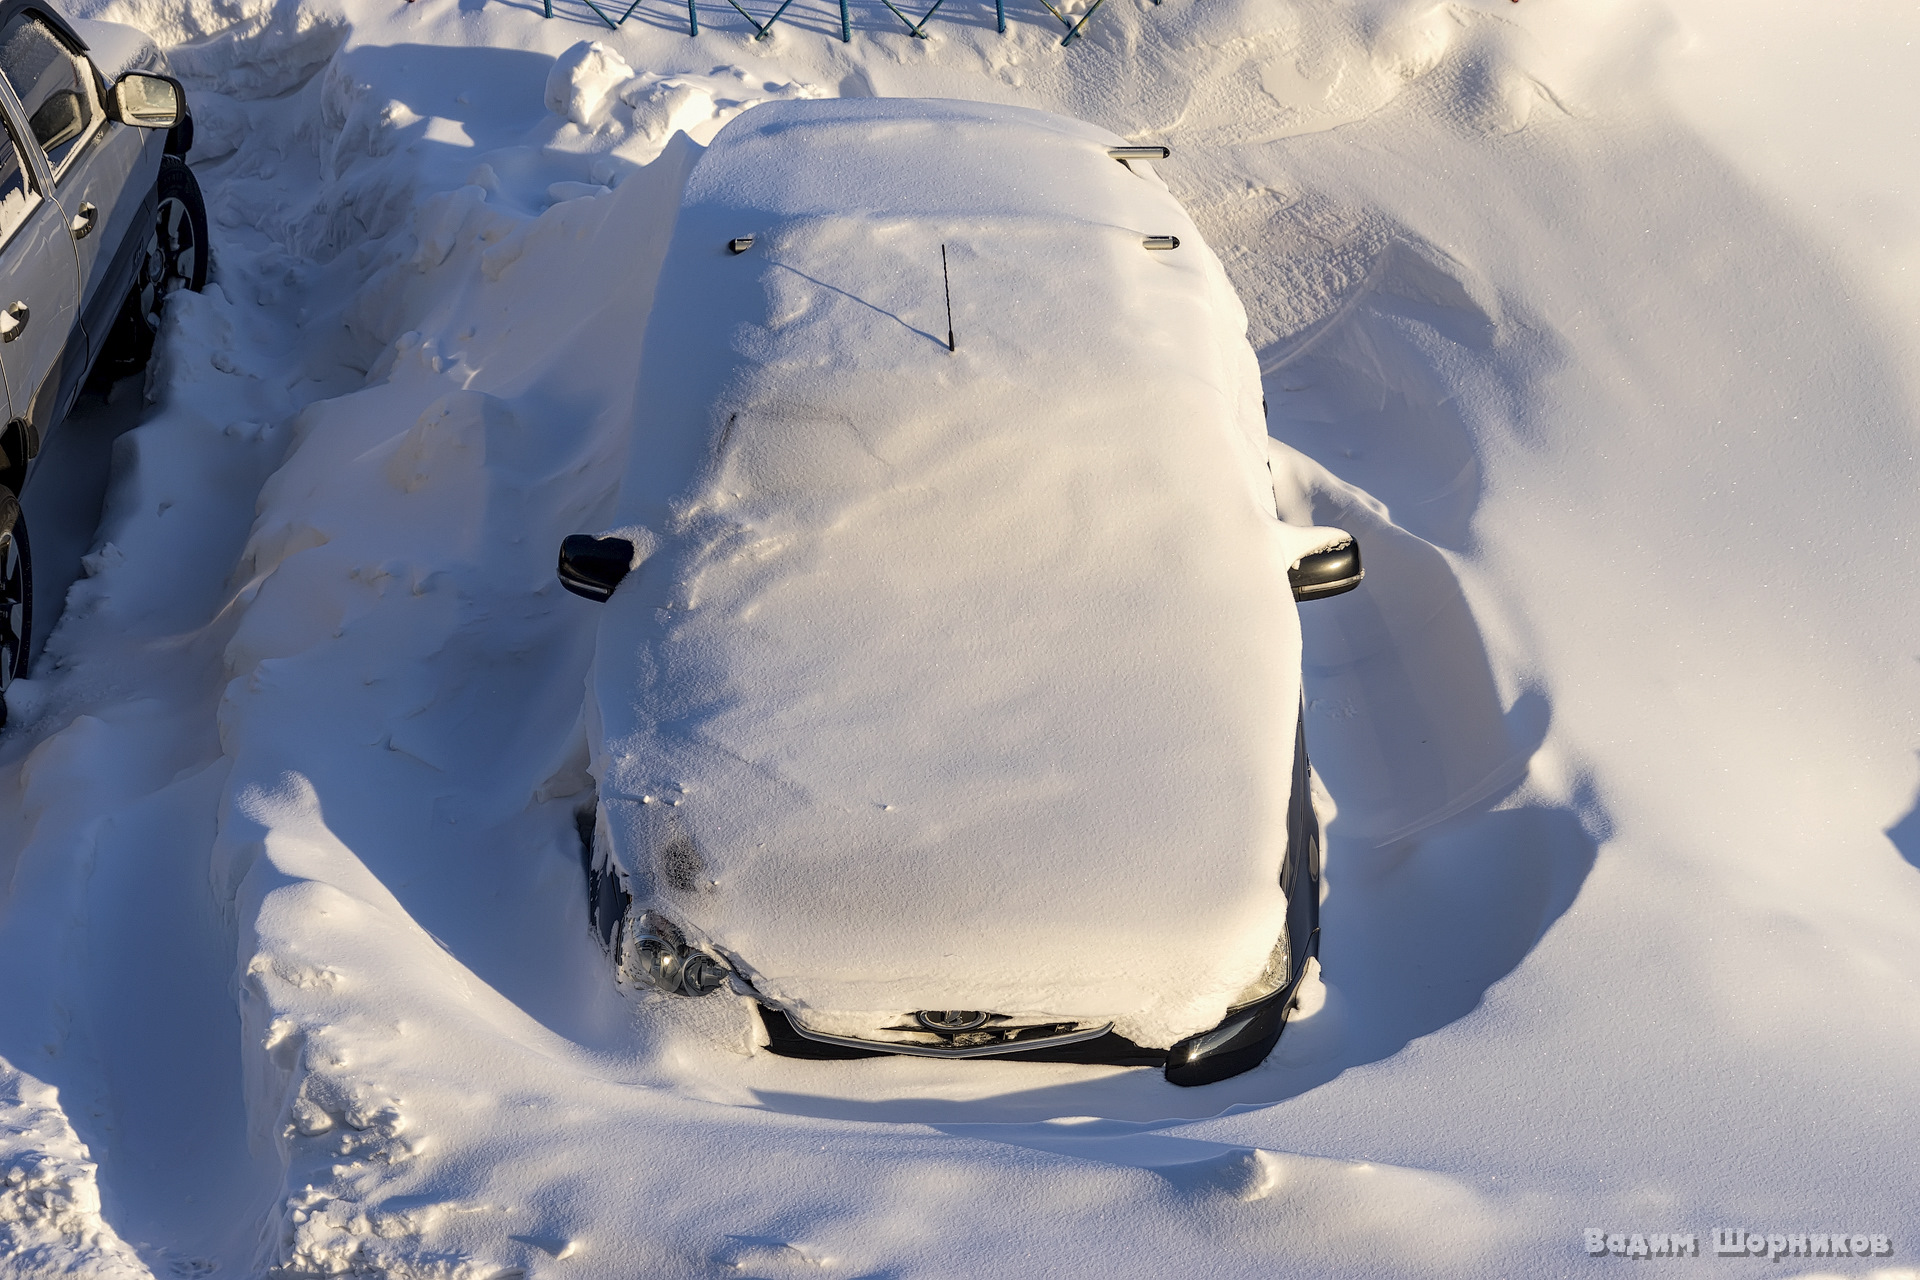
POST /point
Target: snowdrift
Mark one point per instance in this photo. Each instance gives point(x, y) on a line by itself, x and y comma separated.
point(296, 965)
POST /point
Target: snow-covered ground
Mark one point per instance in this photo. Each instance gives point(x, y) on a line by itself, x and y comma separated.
point(1597, 324)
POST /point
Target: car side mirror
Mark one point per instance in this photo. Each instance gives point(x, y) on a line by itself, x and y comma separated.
point(593, 567)
point(1327, 573)
point(148, 101)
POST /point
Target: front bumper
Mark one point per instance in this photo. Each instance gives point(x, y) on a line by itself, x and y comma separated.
point(1241, 1042)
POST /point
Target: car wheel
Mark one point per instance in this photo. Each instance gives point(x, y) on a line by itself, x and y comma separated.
point(16, 596)
point(175, 258)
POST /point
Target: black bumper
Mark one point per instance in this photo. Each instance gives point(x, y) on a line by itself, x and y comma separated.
point(1240, 1043)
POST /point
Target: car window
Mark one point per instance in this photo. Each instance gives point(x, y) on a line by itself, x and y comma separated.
point(54, 85)
point(17, 196)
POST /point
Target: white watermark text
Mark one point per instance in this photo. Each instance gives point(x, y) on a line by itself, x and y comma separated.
point(1737, 1242)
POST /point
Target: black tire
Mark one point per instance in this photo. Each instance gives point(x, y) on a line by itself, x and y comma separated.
point(16, 596)
point(175, 257)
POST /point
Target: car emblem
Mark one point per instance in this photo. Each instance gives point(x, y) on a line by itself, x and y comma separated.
point(948, 1021)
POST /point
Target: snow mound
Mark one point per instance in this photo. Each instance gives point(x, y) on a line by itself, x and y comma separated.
point(583, 79)
point(626, 117)
point(50, 1222)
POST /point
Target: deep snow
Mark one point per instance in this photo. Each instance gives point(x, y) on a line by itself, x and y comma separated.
point(1610, 369)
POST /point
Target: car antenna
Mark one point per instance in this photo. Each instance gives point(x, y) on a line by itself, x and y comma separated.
point(947, 282)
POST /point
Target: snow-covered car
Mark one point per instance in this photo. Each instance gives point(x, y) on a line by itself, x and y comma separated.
point(100, 219)
point(948, 703)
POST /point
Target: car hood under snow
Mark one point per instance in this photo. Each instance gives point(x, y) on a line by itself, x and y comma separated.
point(952, 679)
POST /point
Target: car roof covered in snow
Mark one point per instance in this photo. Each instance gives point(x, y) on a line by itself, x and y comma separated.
point(955, 678)
point(10, 9)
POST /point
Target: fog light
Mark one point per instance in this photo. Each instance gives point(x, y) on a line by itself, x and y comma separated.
point(701, 974)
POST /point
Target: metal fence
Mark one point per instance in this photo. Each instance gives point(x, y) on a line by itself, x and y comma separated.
point(917, 28)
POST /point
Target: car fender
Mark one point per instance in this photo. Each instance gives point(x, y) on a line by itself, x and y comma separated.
point(115, 48)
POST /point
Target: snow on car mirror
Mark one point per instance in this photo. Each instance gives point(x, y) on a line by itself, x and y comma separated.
point(151, 102)
point(593, 567)
point(1327, 573)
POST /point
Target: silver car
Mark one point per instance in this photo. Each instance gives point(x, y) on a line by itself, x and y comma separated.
point(100, 219)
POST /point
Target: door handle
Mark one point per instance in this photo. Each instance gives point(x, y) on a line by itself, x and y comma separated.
point(82, 224)
point(13, 321)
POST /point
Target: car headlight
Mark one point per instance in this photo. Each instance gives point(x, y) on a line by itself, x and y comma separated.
point(1272, 978)
point(1248, 1032)
point(663, 960)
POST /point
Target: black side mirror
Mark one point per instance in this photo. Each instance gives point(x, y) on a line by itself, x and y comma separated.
point(593, 567)
point(1327, 573)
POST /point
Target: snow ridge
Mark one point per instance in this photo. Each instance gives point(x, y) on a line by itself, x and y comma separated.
point(50, 1223)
